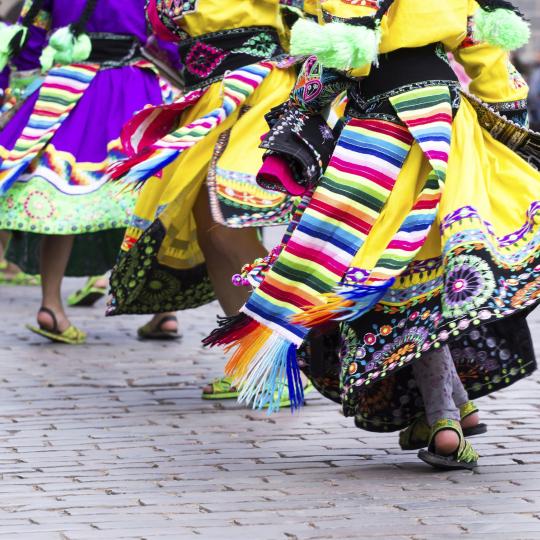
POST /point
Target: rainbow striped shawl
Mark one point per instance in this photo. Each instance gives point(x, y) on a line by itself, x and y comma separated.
point(58, 95)
point(311, 282)
point(151, 139)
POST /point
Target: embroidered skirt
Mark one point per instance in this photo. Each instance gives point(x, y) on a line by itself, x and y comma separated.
point(471, 285)
point(162, 267)
point(62, 190)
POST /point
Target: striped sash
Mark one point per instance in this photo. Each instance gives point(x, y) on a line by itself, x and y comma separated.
point(310, 283)
point(152, 146)
point(58, 95)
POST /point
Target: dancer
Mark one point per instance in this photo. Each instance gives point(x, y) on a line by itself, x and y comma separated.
point(405, 237)
point(56, 148)
point(197, 224)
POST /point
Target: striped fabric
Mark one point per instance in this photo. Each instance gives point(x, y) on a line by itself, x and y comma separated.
point(338, 219)
point(58, 95)
point(152, 149)
point(427, 113)
point(308, 283)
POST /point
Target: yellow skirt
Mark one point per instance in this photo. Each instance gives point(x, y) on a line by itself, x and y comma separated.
point(162, 266)
point(480, 264)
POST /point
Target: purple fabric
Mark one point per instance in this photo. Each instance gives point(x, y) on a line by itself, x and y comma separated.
point(114, 95)
point(111, 100)
point(4, 78)
point(113, 16)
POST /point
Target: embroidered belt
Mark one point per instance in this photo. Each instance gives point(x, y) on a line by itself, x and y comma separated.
point(510, 106)
point(114, 50)
point(206, 58)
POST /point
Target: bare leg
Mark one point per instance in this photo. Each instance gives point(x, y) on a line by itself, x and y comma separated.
point(55, 252)
point(225, 250)
point(11, 269)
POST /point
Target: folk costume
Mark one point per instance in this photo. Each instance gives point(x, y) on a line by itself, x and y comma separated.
point(55, 150)
point(234, 74)
point(424, 227)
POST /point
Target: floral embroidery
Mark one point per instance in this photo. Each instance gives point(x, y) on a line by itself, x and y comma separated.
point(469, 283)
point(203, 59)
point(261, 46)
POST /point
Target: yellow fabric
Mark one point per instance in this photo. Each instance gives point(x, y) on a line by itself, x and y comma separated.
point(482, 173)
point(182, 180)
point(216, 15)
point(494, 78)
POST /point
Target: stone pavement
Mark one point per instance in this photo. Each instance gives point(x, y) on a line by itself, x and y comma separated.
point(111, 440)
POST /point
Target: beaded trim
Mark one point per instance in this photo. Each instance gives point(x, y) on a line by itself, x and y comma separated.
point(206, 58)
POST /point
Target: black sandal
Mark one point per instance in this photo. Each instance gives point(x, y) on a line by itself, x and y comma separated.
point(152, 332)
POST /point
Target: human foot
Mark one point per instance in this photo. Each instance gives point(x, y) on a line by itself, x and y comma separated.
point(57, 328)
point(162, 326)
point(53, 320)
point(448, 449)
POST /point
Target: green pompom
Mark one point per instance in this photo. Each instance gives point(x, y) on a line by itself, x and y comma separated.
point(501, 28)
point(62, 39)
point(308, 38)
point(47, 58)
point(336, 45)
point(7, 33)
point(64, 57)
point(82, 48)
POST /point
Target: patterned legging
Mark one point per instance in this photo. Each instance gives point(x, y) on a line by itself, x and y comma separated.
point(440, 386)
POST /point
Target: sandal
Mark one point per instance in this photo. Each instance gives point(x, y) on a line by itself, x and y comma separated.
point(417, 435)
point(151, 331)
point(20, 278)
point(71, 336)
point(88, 295)
point(223, 389)
point(465, 456)
point(465, 411)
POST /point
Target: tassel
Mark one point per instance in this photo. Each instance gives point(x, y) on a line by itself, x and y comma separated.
point(263, 363)
point(346, 303)
point(229, 330)
point(336, 45)
point(501, 28)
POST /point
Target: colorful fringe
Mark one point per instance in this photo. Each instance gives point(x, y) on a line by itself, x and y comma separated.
point(58, 95)
point(307, 285)
point(152, 141)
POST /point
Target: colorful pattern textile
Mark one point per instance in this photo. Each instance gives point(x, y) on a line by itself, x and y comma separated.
point(345, 206)
point(58, 95)
point(148, 125)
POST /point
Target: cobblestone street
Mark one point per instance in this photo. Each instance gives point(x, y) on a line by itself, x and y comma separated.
point(111, 440)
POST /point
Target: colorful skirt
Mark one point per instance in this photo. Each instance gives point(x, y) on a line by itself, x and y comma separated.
point(162, 267)
point(55, 152)
point(470, 286)
point(423, 230)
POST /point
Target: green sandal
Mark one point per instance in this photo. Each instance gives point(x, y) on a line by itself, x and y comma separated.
point(18, 279)
point(88, 295)
point(223, 389)
point(417, 435)
point(71, 336)
point(465, 457)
